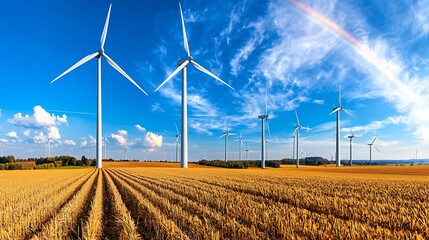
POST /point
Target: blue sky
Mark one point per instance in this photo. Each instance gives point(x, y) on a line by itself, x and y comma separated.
point(297, 51)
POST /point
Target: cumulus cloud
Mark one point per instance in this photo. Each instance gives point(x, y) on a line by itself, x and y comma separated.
point(13, 135)
point(83, 143)
point(53, 133)
point(69, 142)
point(119, 139)
point(140, 128)
point(40, 118)
point(153, 140)
point(122, 132)
point(3, 140)
point(40, 138)
point(27, 132)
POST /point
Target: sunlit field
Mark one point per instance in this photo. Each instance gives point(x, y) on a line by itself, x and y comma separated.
point(162, 201)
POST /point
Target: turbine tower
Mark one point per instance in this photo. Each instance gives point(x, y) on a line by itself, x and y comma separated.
point(240, 145)
point(247, 154)
point(226, 134)
point(351, 145)
point(263, 117)
point(370, 149)
point(100, 53)
point(177, 141)
point(182, 66)
point(297, 127)
point(337, 110)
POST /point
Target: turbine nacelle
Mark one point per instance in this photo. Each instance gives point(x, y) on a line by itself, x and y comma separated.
point(263, 116)
point(180, 62)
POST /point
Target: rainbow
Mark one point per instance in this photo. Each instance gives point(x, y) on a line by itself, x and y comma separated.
point(359, 47)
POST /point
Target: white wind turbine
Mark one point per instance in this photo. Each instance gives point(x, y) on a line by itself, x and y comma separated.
point(226, 134)
point(240, 145)
point(264, 119)
point(351, 145)
point(337, 110)
point(100, 53)
point(247, 154)
point(182, 66)
point(177, 141)
point(297, 128)
point(370, 149)
point(105, 145)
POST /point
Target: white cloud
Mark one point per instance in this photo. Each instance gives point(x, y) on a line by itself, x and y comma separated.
point(3, 140)
point(156, 107)
point(319, 101)
point(375, 125)
point(140, 128)
point(83, 143)
point(40, 138)
point(69, 142)
point(13, 135)
point(40, 118)
point(153, 140)
point(122, 132)
point(420, 23)
point(119, 138)
point(53, 133)
point(27, 132)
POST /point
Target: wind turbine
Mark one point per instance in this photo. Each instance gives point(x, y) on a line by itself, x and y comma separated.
point(370, 149)
point(337, 110)
point(105, 145)
point(226, 134)
point(177, 141)
point(263, 117)
point(297, 128)
point(240, 145)
point(247, 154)
point(351, 145)
point(204, 155)
point(100, 53)
point(182, 66)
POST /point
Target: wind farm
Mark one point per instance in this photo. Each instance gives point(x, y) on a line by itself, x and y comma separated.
point(259, 73)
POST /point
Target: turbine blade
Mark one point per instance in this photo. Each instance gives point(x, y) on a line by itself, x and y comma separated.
point(268, 127)
point(106, 26)
point(177, 130)
point(351, 115)
point(351, 131)
point(376, 149)
point(119, 69)
point(241, 133)
point(297, 119)
point(199, 67)
point(335, 110)
point(296, 129)
point(223, 135)
point(242, 143)
point(82, 61)
point(374, 140)
point(172, 74)
point(185, 38)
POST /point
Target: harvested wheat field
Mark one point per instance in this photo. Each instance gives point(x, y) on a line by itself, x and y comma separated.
point(146, 201)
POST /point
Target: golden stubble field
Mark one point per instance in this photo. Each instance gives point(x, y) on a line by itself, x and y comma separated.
point(162, 201)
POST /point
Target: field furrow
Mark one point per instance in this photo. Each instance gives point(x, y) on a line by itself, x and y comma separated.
point(118, 223)
point(91, 228)
point(152, 223)
point(194, 217)
point(63, 223)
